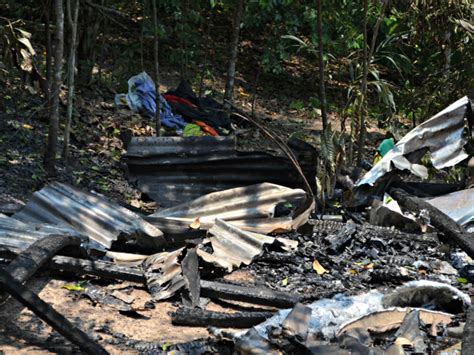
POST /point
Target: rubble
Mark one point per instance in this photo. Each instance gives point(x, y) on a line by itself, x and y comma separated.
point(377, 280)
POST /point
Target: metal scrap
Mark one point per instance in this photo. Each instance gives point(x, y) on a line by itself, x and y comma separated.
point(250, 208)
point(441, 135)
point(457, 205)
point(233, 246)
point(163, 274)
point(16, 236)
point(90, 214)
point(173, 170)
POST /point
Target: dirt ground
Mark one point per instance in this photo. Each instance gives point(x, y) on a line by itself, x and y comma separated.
point(23, 332)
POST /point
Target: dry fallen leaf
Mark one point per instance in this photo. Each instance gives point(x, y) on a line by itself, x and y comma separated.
point(318, 268)
point(196, 224)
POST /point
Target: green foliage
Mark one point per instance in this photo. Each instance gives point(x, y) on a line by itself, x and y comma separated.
point(331, 152)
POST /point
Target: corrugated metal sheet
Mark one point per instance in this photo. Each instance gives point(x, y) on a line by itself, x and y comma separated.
point(458, 205)
point(16, 236)
point(251, 208)
point(441, 135)
point(173, 170)
point(163, 274)
point(233, 247)
point(90, 214)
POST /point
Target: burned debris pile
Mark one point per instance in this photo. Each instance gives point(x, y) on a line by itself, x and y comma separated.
point(238, 245)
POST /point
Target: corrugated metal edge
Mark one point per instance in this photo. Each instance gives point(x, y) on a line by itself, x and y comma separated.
point(90, 214)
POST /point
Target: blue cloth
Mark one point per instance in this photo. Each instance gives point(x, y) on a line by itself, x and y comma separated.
point(144, 89)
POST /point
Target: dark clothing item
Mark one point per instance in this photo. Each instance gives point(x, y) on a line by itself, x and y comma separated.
point(206, 109)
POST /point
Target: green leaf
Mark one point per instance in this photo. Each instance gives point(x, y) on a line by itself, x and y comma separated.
point(284, 282)
point(463, 280)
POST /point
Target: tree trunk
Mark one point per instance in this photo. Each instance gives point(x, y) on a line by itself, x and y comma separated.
point(72, 22)
point(234, 45)
point(88, 28)
point(50, 154)
point(142, 36)
point(47, 28)
point(322, 89)
point(206, 54)
point(363, 91)
point(157, 68)
point(367, 61)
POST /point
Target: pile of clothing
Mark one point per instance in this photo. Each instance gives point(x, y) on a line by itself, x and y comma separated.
point(180, 109)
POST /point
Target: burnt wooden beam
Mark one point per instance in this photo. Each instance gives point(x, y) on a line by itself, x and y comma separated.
point(467, 347)
point(441, 221)
point(32, 258)
point(256, 295)
point(199, 318)
point(102, 269)
point(48, 314)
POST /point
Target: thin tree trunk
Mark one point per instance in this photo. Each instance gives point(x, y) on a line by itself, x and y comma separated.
point(322, 89)
point(51, 149)
point(255, 86)
point(142, 36)
point(363, 91)
point(206, 54)
point(367, 61)
point(157, 69)
point(234, 45)
point(48, 49)
point(72, 22)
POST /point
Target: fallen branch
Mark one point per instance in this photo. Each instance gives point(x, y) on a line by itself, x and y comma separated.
point(97, 268)
point(255, 295)
point(468, 334)
point(49, 314)
point(438, 219)
point(29, 261)
point(200, 318)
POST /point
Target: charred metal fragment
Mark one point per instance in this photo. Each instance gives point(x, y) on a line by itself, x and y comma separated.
point(49, 315)
point(256, 295)
point(190, 265)
point(199, 318)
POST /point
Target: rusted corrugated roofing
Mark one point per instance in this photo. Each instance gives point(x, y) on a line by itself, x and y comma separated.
point(90, 214)
point(16, 236)
point(173, 170)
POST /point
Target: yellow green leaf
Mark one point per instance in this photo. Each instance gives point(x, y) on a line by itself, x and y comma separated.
point(74, 287)
point(318, 268)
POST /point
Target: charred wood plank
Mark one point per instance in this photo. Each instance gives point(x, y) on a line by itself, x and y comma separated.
point(31, 259)
point(199, 318)
point(438, 219)
point(256, 295)
point(48, 314)
point(102, 269)
point(468, 334)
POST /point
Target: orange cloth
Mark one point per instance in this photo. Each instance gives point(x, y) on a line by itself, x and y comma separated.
point(205, 128)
